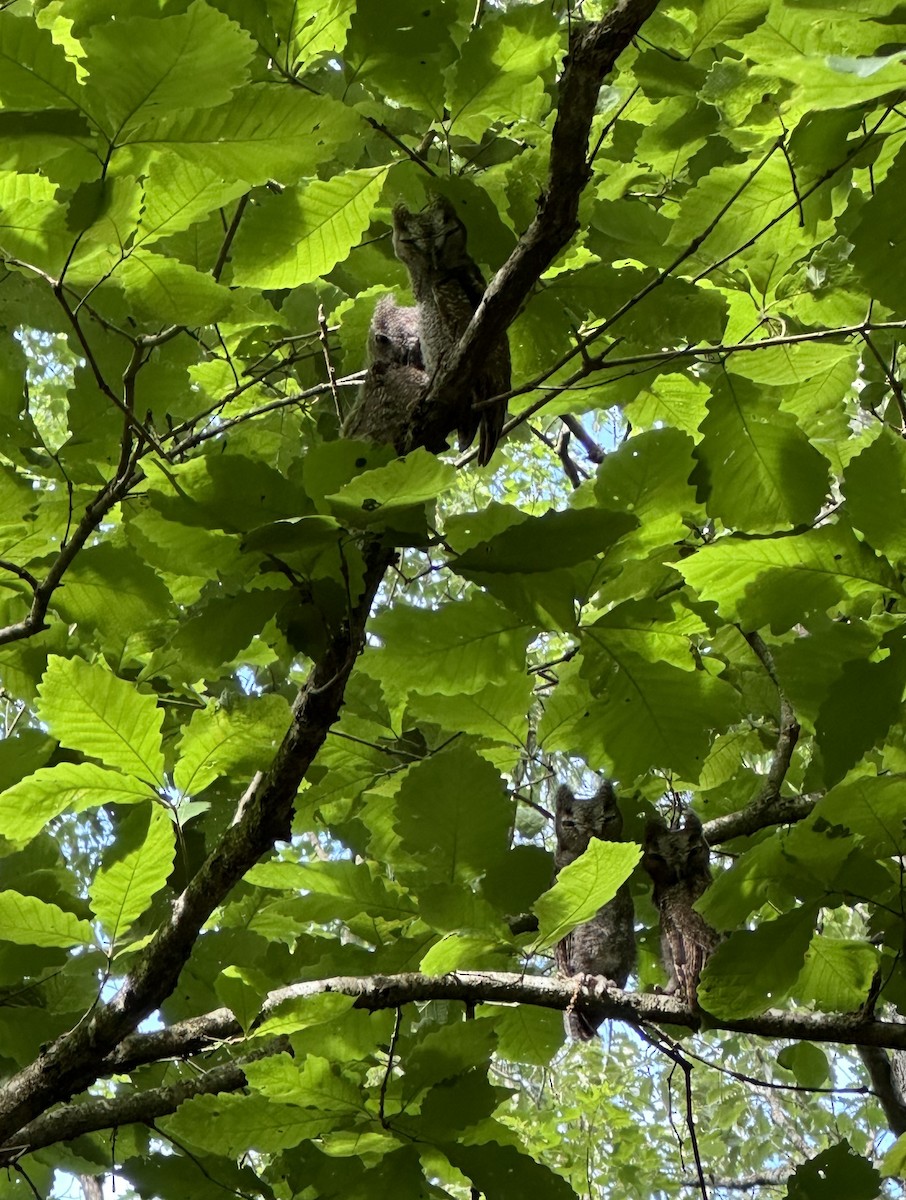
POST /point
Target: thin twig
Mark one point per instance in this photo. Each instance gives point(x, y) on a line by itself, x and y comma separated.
point(224, 252)
point(328, 361)
point(894, 384)
point(386, 1079)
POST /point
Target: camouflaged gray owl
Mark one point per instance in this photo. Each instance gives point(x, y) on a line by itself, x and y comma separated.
point(605, 944)
point(395, 382)
point(678, 861)
point(448, 287)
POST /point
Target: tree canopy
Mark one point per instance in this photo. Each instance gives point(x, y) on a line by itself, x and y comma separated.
point(284, 712)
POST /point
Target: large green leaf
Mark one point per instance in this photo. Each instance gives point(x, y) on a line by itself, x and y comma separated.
point(135, 870)
point(219, 1124)
point(457, 649)
point(756, 469)
point(30, 921)
point(522, 45)
point(836, 1171)
point(301, 235)
point(755, 969)
point(27, 806)
point(89, 709)
point(220, 740)
point(452, 811)
point(260, 133)
point(582, 887)
point(35, 74)
point(556, 539)
point(193, 60)
point(780, 581)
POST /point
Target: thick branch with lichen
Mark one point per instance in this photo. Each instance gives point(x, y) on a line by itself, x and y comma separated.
point(373, 993)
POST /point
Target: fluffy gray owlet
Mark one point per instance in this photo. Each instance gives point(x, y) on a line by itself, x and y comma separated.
point(678, 862)
point(604, 945)
point(395, 382)
point(448, 287)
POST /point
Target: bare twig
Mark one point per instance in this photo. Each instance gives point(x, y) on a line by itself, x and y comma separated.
point(223, 253)
point(328, 361)
point(581, 434)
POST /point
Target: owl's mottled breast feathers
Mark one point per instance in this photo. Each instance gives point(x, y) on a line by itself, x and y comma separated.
point(605, 944)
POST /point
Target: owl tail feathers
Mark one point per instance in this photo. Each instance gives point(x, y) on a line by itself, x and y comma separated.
point(579, 1027)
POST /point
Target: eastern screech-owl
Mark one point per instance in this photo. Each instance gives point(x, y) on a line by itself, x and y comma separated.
point(448, 287)
point(605, 944)
point(678, 861)
point(396, 380)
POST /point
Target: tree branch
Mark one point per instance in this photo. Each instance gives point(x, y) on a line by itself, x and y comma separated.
point(593, 50)
point(884, 1084)
point(200, 1034)
point(374, 993)
point(72, 1062)
point(125, 1108)
point(105, 500)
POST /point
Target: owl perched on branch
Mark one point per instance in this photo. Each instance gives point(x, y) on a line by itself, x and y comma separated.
point(677, 859)
point(605, 944)
point(448, 287)
point(395, 382)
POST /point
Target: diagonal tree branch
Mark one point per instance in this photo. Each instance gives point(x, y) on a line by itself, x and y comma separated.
point(593, 50)
point(72, 1062)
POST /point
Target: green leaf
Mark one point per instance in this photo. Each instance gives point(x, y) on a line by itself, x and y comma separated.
point(220, 1124)
point(451, 812)
point(556, 539)
point(756, 468)
point(297, 1014)
point(893, 1164)
point(872, 808)
point(218, 741)
point(505, 1174)
point(650, 715)
point(807, 1062)
point(454, 908)
point(135, 870)
point(500, 73)
point(29, 921)
point(194, 59)
point(111, 589)
point(27, 806)
point(456, 952)
point(582, 887)
point(32, 225)
point(35, 72)
point(837, 975)
point(753, 970)
point(260, 134)
point(353, 887)
point(177, 194)
point(721, 20)
point(457, 649)
point(648, 477)
point(527, 1035)
point(781, 582)
point(380, 496)
point(314, 1084)
point(171, 290)
point(321, 29)
point(88, 709)
point(299, 236)
point(838, 1171)
point(860, 706)
point(496, 712)
point(874, 486)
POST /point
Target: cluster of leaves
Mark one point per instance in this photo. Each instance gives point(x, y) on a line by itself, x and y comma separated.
point(194, 210)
